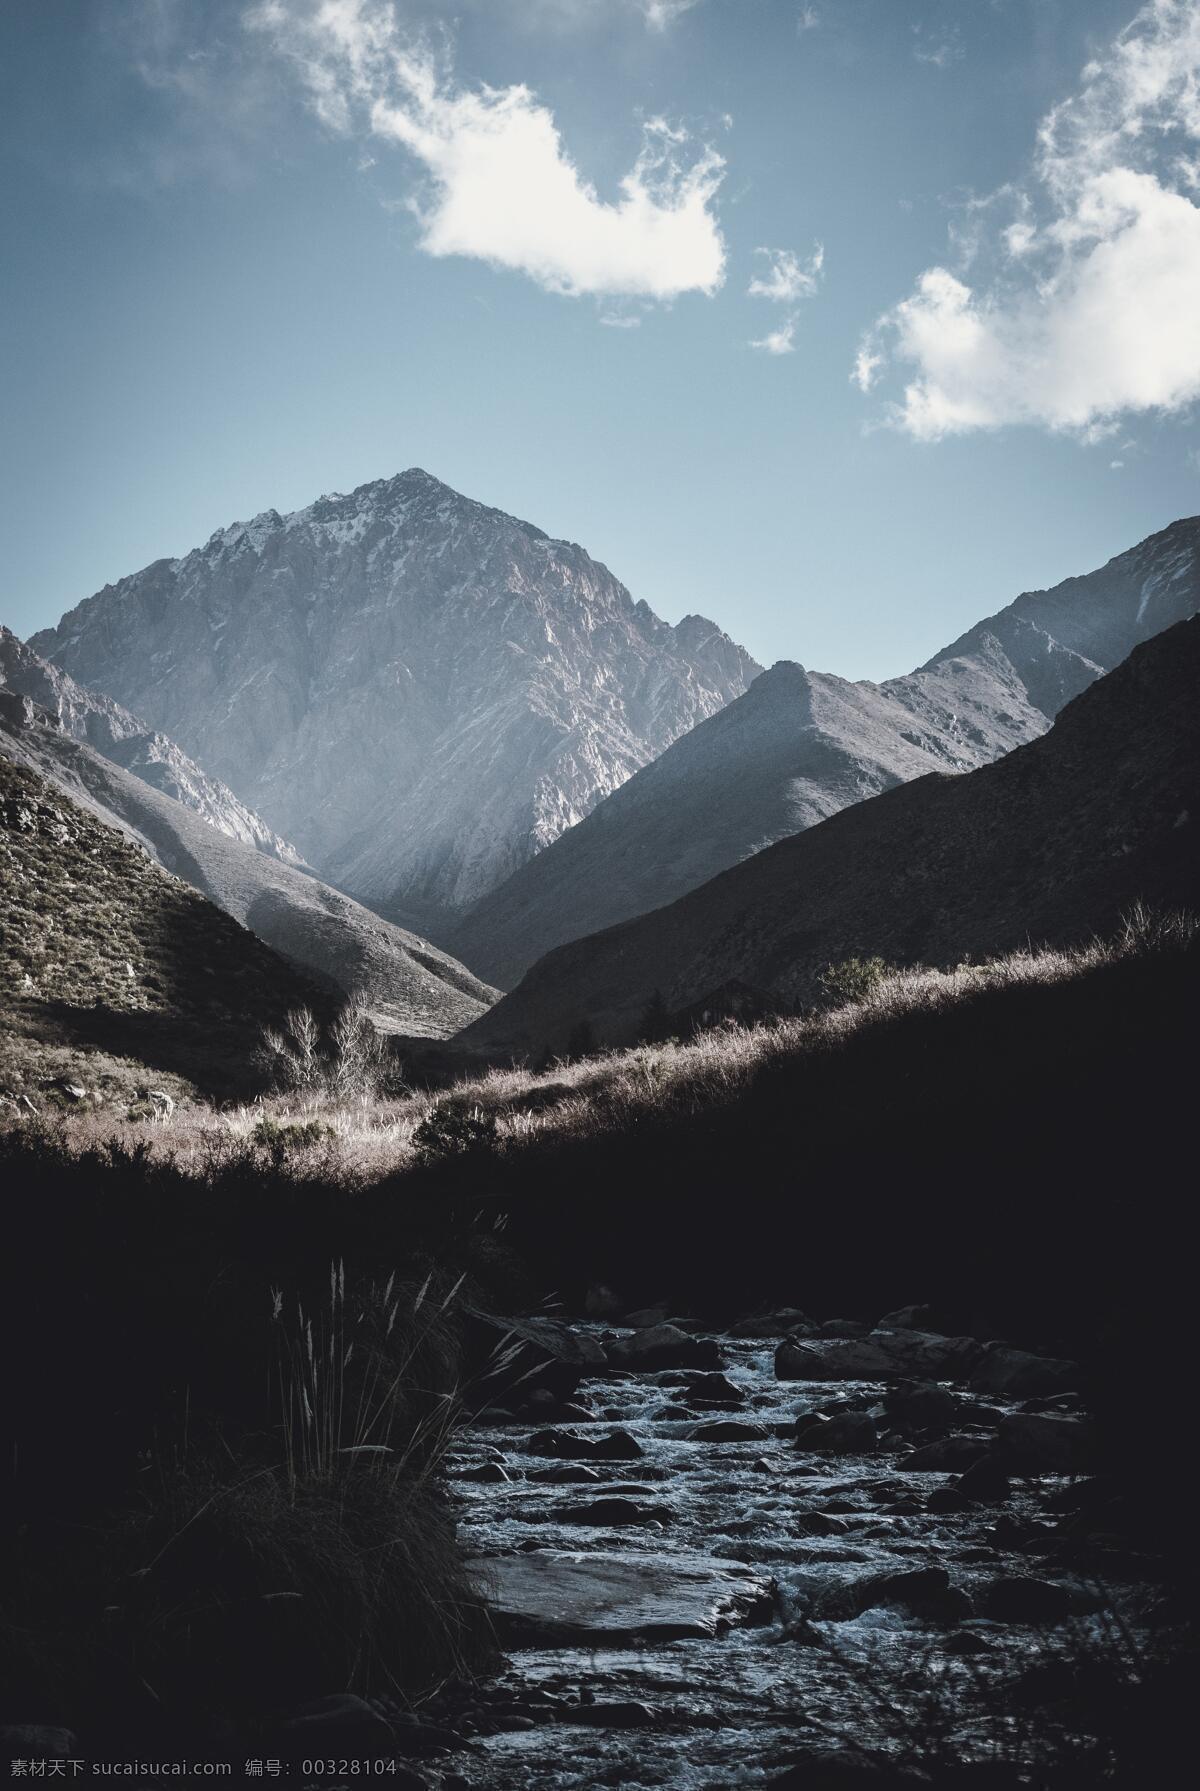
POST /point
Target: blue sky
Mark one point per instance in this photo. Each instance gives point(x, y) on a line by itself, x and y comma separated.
point(262, 250)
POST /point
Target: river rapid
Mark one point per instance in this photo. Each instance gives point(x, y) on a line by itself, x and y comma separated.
point(923, 1574)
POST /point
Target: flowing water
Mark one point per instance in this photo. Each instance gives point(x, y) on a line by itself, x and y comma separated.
point(793, 1667)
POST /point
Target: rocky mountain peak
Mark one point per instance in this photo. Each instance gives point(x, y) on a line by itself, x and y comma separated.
point(421, 690)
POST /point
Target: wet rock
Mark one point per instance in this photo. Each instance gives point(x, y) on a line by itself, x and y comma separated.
point(966, 1642)
point(843, 1327)
point(925, 1591)
point(984, 1482)
point(880, 1355)
point(819, 1523)
point(773, 1324)
point(604, 1600)
point(796, 1361)
point(843, 1433)
point(673, 1414)
point(646, 1318)
point(705, 1389)
point(1016, 1374)
point(532, 1354)
point(1042, 1443)
point(920, 1405)
point(567, 1476)
point(606, 1513)
point(566, 1445)
point(610, 1716)
point(908, 1318)
point(664, 1346)
point(947, 1501)
point(728, 1430)
point(1020, 1599)
point(489, 1471)
point(947, 1456)
point(575, 1413)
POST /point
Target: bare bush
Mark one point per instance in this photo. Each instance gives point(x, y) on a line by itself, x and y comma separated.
point(347, 1060)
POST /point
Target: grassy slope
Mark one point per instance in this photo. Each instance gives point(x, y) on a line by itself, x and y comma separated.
point(104, 953)
point(1005, 1142)
point(409, 986)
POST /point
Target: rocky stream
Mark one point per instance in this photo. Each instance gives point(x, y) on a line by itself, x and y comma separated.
point(796, 1554)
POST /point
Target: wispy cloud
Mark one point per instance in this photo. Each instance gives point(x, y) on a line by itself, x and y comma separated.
point(780, 341)
point(500, 184)
point(808, 19)
point(786, 280)
point(937, 49)
point(661, 14)
point(1084, 301)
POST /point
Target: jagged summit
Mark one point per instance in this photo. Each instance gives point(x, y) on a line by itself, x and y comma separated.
point(422, 691)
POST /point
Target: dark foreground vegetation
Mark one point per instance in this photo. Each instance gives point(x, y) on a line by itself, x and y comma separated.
point(240, 1366)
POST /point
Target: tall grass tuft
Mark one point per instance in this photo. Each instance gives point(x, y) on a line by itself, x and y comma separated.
point(351, 1393)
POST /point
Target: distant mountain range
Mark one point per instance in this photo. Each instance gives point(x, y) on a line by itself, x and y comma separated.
point(1048, 844)
point(801, 745)
point(420, 691)
point(477, 732)
point(408, 985)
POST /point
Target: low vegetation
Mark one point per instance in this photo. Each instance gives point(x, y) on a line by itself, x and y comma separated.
point(224, 1472)
point(333, 1116)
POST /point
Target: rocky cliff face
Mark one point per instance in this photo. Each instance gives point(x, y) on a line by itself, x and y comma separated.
point(1051, 844)
point(421, 691)
point(801, 745)
point(89, 716)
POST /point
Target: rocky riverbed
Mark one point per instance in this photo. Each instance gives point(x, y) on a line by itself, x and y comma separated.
point(799, 1554)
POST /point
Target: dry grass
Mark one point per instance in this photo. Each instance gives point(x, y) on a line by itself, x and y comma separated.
point(357, 1141)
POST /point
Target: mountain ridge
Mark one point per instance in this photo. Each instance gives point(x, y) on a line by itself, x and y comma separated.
point(419, 689)
point(1047, 842)
point(801, 745)
point(110, 729)
point(408, 986)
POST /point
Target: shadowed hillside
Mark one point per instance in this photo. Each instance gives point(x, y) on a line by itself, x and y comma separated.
point(801, 745)
point(104, 952)
point(1048, 844)
point(408, 986)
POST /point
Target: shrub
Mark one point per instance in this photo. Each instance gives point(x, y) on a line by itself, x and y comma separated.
point(281, 1135)
point(448, 1131)
point(346, 1060)
point(853, 979)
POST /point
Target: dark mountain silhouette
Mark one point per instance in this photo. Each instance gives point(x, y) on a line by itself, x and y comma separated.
point(801, 745)
point(1047, 844)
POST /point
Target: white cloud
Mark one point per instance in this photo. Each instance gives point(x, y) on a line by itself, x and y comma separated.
point(1091, 306)
point(787, 278)
point(501, 186)
point(661, 14)
point(808, 19)
point(787, 281)
point(780, 341)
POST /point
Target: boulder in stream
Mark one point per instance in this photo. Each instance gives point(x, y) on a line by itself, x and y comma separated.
point(608, 1600)
point(664, 1346)
point(525, 1356)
